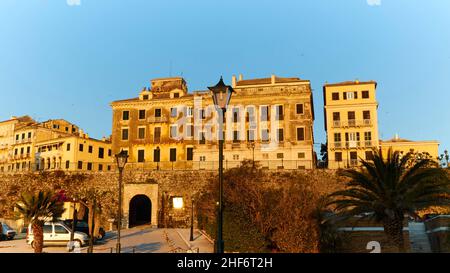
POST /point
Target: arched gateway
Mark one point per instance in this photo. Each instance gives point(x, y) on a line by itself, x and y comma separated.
point(140, 211)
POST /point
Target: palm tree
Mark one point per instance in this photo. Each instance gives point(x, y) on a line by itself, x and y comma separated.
point(37, 209)
point(386, 190)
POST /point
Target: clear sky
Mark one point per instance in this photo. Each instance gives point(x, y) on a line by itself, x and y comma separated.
point(70, 58)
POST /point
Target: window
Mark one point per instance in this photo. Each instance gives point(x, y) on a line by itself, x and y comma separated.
point(145, 97)
point(141, 114)
point(335, 96)
point(368, 139)
point(264, 113)
point(81, 147)
point(89, 166)
point(189, 130)
point(100, 167)
point(60, 230)
point(173, 131)
point(280, 135)
point(336, 116)
point(101, 152)
point(173, 154)
point(301, 155)
point(141, 155)
point(201, 137)
point(173, 112)
point(109, 167)
point(369, 155)
point(158, 112)
point(48, 229)
point(236, 138)
point(280, 155)
point(236, 115)
point(28, 149)
point(157, 134)
point(299, 108)
point(250, 115)
point(279, 112)
point(90, 149)
point(21, 150)
point(202, 113)
point(235, 157)
point(250, 135)
point(125, 115)
point(141, 132)
point(29, 134)
point(351, 118)
point(176, 95)
point(189, 111)
point(300, 134)
point(202, 158)
point(67, 164)
point(124, 134)
point(109, 152)
point(17, 137)
point(365, 94)
point(265, 135)
point(80, 165)
point(366, 115)
point(190, 153)
point(156, 155)
point(338, 156)
point(68, 147)
point(350, 95)
point(23, 136)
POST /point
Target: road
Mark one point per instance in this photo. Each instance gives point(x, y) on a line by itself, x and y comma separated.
point(142, 239)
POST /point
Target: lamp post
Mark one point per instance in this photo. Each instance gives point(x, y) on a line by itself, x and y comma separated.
point(192, 221)
point(252, 145)
point(221, 95)
point(121, 159)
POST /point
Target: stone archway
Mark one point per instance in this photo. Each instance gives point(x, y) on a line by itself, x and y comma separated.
point(140, 211)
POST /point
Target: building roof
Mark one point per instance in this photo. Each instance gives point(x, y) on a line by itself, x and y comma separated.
point(268, 81)
point(25, 118)
point(349, 83)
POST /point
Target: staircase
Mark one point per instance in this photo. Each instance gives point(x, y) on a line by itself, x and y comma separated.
point(418, 238)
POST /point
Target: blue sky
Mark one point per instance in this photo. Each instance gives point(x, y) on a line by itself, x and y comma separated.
point(70, 61)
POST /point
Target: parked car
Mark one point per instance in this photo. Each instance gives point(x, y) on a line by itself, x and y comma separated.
point(82, 226)
point(57, 233)
point(7, 232)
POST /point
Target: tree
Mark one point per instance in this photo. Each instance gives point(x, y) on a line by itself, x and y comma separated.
point(386, 190)
point(323, 163)
point(37, 209)
point(444, 159)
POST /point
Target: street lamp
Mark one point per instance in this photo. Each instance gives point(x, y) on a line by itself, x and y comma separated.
point(221, 95)
point(192, 221)
point(121, 159)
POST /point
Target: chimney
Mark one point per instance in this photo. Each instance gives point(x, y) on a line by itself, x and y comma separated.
point(272, 79)
point(233, 81)
point(240, 77)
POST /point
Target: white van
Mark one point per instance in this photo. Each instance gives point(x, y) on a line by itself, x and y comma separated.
point(57, 233)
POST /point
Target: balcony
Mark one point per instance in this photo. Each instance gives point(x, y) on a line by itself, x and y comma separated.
point(160, 119)
point(22, 141)
point(352, 144)
point(351, 123)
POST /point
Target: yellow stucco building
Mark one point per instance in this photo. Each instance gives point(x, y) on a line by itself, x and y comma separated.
point(351, 124)
point(427, 148)
point(269, 119)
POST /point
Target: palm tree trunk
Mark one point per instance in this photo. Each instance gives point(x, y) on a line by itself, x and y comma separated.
point(38, 235)
point(393, 228)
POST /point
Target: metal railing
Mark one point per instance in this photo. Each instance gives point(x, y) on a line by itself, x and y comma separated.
point(351, 123)
point(352, 144)
point(162, 118)
point(186, 165)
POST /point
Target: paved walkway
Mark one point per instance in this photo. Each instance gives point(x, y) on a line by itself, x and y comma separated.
point(142, 239)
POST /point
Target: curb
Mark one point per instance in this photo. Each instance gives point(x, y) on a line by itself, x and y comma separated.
point(184, 240)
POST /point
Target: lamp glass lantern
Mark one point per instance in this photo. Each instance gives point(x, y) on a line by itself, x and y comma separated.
point(221, 94)
point(121, 159)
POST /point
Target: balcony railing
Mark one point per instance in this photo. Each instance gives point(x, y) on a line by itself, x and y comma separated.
point(352, 144)
point(352, 123)
point(21, 141)
point(157, 119)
